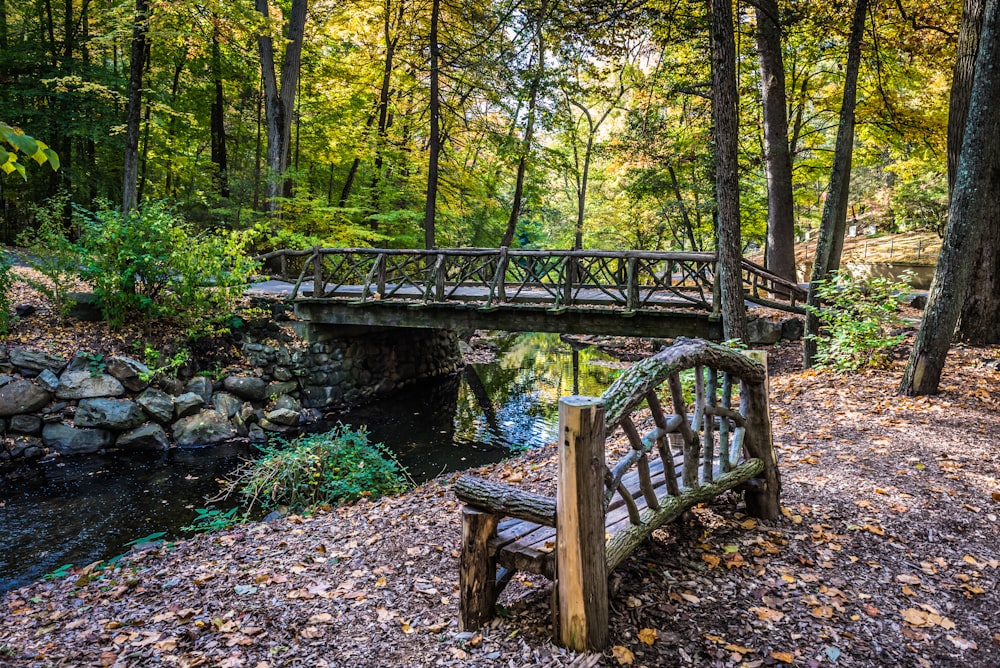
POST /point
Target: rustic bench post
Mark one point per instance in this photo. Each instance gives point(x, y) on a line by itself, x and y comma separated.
point(763, 501)
point(477, 570)
point(581, 586)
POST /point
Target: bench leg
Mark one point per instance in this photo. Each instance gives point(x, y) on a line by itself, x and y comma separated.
point(477, 571)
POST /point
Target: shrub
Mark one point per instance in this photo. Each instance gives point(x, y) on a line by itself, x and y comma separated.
point(6, 282)
point(314, 470)
point(150, 262)
point(859, 315)
point(50, 252)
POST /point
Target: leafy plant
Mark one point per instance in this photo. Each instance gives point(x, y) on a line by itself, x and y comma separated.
point(22, 145)
point(211, 519)
point(95, 363)
point(859, 315)
point(339, 466)
point(158, 366)
point(6, 282)
point(50, 252)
point(60, 572)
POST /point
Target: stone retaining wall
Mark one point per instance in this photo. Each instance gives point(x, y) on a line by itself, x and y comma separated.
point(52, 406)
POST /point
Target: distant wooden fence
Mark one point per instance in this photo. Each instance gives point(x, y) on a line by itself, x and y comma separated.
point(628, 280)
point(600, 513)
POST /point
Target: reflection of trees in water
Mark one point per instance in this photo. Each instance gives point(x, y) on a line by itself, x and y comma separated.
point(523, 386)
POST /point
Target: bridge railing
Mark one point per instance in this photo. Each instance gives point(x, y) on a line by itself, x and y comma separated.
point(628, 280)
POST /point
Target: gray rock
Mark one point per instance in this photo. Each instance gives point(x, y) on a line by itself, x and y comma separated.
point(919, 302)
point(201, 386)
point(129, 372)
point(203, 428)
point(283, 416)
point(291, 403)
point(37, 360)
point(147, 437)
point(246, 387)
point(84, 385)
point(26, 424)
point(281, 374)
point(82, 362)
point(4, 379)
point(274, 427)
point(187, 404)
point(172, 385)
point(257, 434)
point(274, 388)
point(763, 331)
point(67, 440)
point(85, 306)
point(22, 396)
point(792, 329)
point(104, 413)
point(25, 310)
point(157, 404)
point(26, 447)
point(48, 380)
point(240, 425)
point(226, 403)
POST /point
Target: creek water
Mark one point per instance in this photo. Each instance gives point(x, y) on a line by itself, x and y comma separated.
point(79, 510)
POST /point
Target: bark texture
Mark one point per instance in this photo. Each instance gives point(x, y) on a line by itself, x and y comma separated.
point(434, 141)
point(130, 186)
point(725, 129)
point(976, 179)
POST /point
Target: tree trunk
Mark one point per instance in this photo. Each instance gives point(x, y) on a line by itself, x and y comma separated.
point(979, 322)
point(685, 218)
point(218, 123)
point(529, 128)
point(976, 178)
point(278, 101)
point(434, 142)
point(830, 243)
point(780, 250)
point(132, 122)
point(385, 91)
point(725, 133)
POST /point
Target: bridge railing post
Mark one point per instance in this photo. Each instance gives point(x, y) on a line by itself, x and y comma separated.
point(498, 289)
point(317, 272)
point(569, 278)
point(380, 274)
point(632, 284)
point(440, 274)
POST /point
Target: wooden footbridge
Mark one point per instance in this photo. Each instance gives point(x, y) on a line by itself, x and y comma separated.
point(639, 293)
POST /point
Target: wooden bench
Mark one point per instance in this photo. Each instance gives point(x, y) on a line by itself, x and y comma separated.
point(717, 438)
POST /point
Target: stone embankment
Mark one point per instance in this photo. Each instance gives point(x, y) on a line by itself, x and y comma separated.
point(54, 406)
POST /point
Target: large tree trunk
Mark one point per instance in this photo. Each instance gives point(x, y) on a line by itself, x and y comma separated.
point(780, 251)
point(725, 133)
point(979, 322)
point(434, 142)
point(976, 179)
point(278, 101)
point(132, 122)
point(830, 244)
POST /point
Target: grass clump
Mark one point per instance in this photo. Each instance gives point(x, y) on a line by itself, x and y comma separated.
point(316, 470)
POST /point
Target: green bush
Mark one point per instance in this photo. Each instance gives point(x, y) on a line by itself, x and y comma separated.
point(858, 316)
point(314, 470)
point(50, 252)
point(150, 262)
point(6, 282)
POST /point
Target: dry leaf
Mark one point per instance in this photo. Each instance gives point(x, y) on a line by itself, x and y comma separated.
point(711, 560)
point(767, 614)
point(962, 643)
point(784, 657)
point(648, 636)
point(822, 611)
point(623, 655)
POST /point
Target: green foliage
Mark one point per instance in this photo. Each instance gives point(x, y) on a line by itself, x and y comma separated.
point(211, 519)
point(23, 145)
point(95, 363)
point(50, 252)
point(160, 364)
point(6, 282)
point(339, 466)
point(60, 572)
point(859, 315)
point(150, 262)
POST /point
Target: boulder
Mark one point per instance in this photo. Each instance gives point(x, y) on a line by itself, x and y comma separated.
point(129, 371)
point(201, 386)
point(256, 434)
point(26, 447)
point(104, 413)
point(763, 331)
point(26, 424)
point(25, 310)
point(246, 387)
point(283, 416)
point(67, 440)
point(157, 404)
point(276, 388)
point(4, 379)
point(22, 396)
point(202, 428)
point(85, 306)
point(226, 403)
point(171, 385)
point(187, 404)
point(149, 436)
point(291, 403)
point(84, 385)
point(792, 329)
point(919, 302)
point(274, 427)
point(48, 380)
point(36, 360)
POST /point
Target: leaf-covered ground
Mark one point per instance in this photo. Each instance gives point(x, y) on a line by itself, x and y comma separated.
point(886, 555)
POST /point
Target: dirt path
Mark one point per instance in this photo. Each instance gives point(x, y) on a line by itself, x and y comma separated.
point(886, 556)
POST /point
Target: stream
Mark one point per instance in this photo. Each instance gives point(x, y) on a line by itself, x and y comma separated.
point(80, 510)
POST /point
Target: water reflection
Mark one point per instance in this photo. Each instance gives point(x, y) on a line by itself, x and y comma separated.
point(83, 509)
